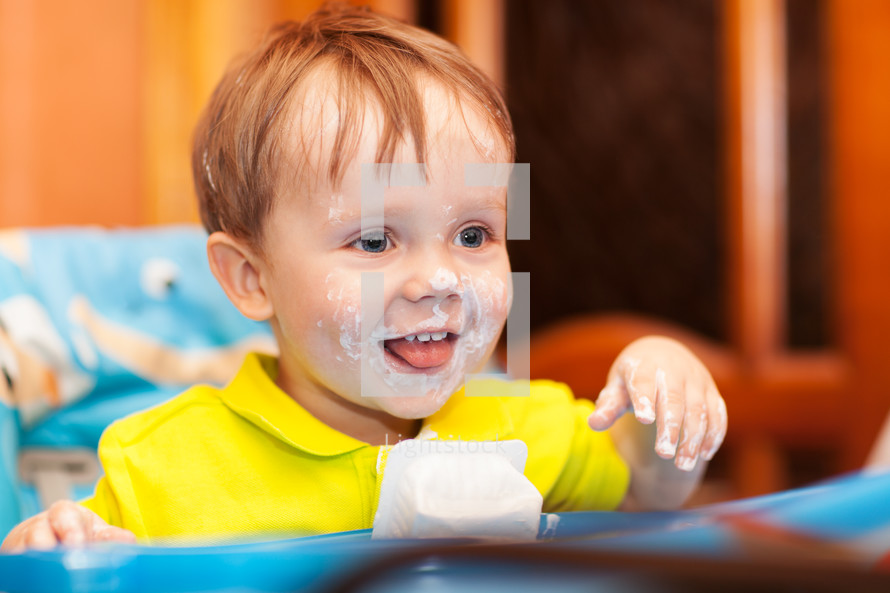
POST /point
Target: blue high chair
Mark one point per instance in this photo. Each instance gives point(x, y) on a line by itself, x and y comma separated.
point(83, 312)
point(10, 509)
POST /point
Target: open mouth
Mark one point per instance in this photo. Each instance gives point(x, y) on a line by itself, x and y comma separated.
point(422, 351)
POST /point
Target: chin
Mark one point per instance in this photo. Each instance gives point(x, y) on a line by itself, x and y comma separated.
point(412, 408)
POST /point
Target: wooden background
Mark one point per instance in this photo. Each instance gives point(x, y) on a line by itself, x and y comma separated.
point(98, 99)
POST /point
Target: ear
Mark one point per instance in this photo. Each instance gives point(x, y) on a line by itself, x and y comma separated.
point(239, 270)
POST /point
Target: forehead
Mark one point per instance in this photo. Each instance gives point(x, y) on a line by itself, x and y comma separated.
point(325, 124)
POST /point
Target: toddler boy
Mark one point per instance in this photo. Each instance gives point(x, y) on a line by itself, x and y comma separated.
point(293, 141)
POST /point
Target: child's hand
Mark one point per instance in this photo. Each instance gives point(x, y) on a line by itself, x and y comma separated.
point(65, 522)
point(663, 382)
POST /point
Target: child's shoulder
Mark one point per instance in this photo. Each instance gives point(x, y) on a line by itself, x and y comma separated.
point(543, 394)
point(545, 389)
point(186, 411)
point(549, 399)
point(479, 412)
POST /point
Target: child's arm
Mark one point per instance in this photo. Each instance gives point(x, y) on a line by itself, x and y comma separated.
point(678, 418)
point(65, 522)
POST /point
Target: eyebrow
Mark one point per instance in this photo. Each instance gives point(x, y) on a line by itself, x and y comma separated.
point(494, 203)
point(488, 203)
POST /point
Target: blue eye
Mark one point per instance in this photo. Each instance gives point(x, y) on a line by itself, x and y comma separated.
point(471, 237)
point(374, 242)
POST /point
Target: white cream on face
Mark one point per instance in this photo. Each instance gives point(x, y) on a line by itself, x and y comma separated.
point(488, 147)
point(471, 304)
point(336, 210)
point(346, 317)
point(484, 300)
point(444, 280)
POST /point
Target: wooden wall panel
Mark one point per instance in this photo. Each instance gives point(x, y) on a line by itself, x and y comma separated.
point(860, 105)
point(17, 153)
point(478, 29)
point(756, 160)
point(69, 105)
point(98, 100)
point(187, 48)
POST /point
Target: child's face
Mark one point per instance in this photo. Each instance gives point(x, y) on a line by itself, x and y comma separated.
point(442, 253)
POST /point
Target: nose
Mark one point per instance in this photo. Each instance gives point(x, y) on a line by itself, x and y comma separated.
point(434, 273)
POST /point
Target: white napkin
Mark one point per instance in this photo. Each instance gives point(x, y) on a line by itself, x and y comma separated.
point(438, 489)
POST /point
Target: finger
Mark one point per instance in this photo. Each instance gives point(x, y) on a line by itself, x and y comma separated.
point(99, 530)
point(39, 535)
point(114, 534)
point(612, 403)
point(670, 408)
point(695, 424)
point(68, 522)
point(639, 379)
point(717, 424)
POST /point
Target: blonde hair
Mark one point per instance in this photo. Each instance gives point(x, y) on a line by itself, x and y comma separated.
point(237, 149)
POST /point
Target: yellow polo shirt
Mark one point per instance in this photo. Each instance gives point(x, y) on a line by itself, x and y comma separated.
point(248, 461)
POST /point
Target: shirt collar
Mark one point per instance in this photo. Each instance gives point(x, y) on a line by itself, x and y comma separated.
point(253, 395)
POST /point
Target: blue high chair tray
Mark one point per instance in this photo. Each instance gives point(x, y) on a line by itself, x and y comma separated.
point(836, 530)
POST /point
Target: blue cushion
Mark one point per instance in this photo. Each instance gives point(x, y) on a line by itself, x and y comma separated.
point(10, 509)
point(117, 321)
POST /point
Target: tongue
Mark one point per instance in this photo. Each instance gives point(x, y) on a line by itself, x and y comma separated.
point(419, 354)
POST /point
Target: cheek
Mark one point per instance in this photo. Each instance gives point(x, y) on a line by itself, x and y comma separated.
point(491, 295)
point(501, 294)
point(341, 317)
point(486, 302)
point(342, 321)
